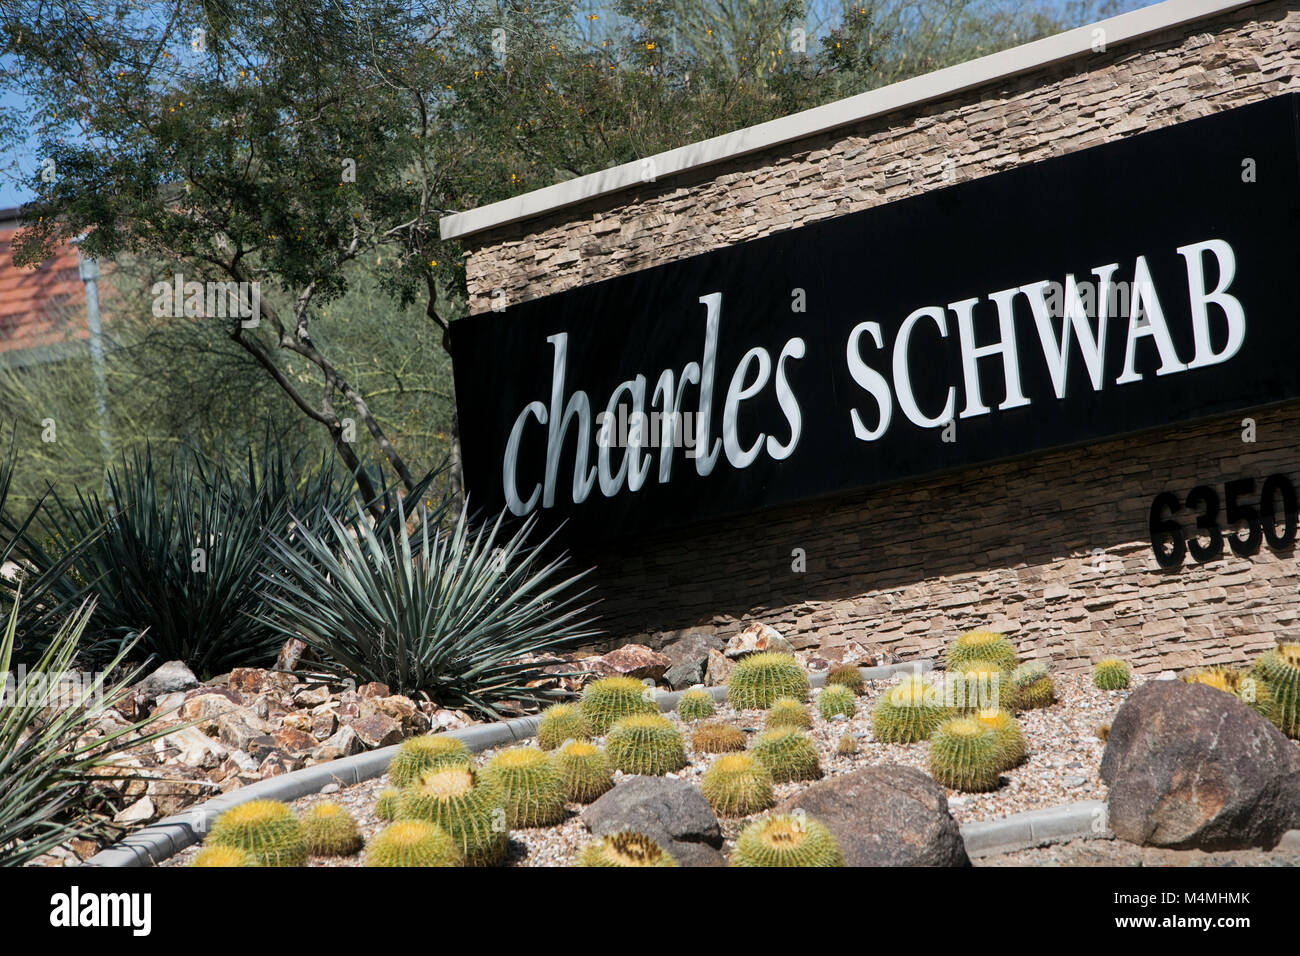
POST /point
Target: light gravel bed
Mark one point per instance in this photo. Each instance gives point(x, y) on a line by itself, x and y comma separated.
point(1062, 766)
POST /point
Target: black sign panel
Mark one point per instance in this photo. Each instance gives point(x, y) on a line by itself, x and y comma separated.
point(1119, 288)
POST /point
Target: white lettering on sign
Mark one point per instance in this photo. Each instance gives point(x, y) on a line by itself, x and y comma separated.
point(1075, 316)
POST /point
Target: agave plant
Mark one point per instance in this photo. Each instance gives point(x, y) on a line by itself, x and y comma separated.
point(447, 611)
point(54, 776)
point(48, 587)
point(175, 568)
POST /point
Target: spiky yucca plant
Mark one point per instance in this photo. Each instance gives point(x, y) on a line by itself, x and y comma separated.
point(788, 755)
point(788, 713)
point(966, 755)
point(981, 648)
point(716, 737)
point(611, 698)
point(836, 700)
point(387, 804)
point(449, 612)
point(1034, 687)
point(414, 843)
point(584, 770)
point(56, 775)
point(737, 785)
point(645, 744)
point(474, 814)
point(529, 785)
point(1010, 739)
point(695, 705)
point(1278, 671)
point(265, 829)
point(426, 752)
point(1111, 674)
point(909, 712)
point(330, 830)
point(787, 840)
point(624, 849)
point(846, 675)
point(561, 722)
point(223, 856)
point(757, 681)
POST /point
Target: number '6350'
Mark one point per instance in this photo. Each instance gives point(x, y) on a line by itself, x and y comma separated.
point(1269, 516)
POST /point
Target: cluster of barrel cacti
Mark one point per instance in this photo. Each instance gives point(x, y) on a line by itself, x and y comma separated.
point(836, 700)
point(695, 705)
point(471, 812)
point(1277, 687)
point(645, 744)
point(788, 713)
point(609, 699)
point(910, 711)
point(529, 786)
point(624, 849)
point(737, 785)
point(269, 833)
point(759, 680)
point(561, 722)
point(1110, 674)
point(1271, 685)
point(786, 840)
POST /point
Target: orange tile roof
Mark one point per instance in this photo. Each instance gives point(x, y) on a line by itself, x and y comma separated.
point(42, 306)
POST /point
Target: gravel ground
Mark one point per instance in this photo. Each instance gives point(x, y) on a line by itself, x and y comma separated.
point(1062, 766)
point(1119, 853)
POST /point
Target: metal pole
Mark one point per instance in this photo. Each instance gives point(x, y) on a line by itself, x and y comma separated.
point(89, 271)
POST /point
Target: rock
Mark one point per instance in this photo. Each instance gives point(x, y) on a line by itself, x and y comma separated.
point(209, 703)
point(294, 741)
point(277, 762)
point(717, 670)
point(168, 679)
point(345, 743)
point(292, 653)
point(632, 660)
point(169, 703)
point(377, 730)
point(1192, 767)
point(194, 748)
point(255, 680)
point(322, 725)
point(1166, 675)
point(670, 812)
point(755, 639)
point(142, 811)
point(297, 721)
point(686, 674)
point(885, 816)
point(692, 647)
point(236, 730)
point(373, 689)
point(403, 710)
point(312, 696)
point(1073, 781)
point(174, 794)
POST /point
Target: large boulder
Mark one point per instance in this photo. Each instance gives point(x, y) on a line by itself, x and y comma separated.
point(632, 660)
point(885, 816)
point(671, 812)
point(1190, 766)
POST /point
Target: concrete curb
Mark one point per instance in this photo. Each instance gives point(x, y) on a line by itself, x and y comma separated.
point(159, 841)
point(1020, 831)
